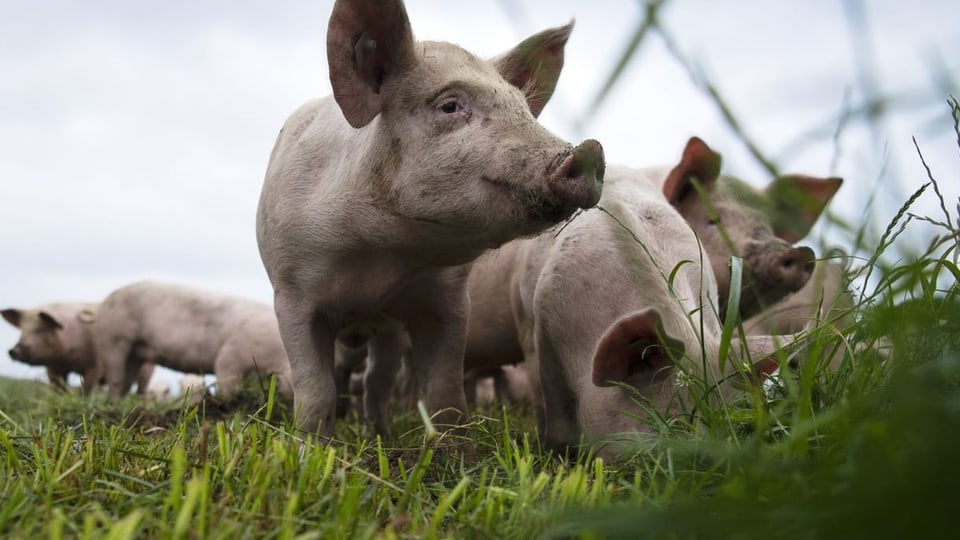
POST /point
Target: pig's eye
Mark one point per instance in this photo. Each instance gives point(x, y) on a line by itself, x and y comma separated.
point(714, 221)
point(450, 107)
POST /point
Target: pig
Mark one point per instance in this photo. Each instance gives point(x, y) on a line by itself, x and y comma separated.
point(731, 218)
point(377, 200)
point(189, 330)
point(619, 295)
point(756, 225)
point(58, 337)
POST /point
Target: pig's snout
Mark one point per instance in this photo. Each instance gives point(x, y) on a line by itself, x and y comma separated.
point(795, 266)
point(579, 179)
point(16, 353)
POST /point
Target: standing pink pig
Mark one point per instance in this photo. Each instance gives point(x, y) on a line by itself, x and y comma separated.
point(189, 330)
point(377, 199)
point(58, 336)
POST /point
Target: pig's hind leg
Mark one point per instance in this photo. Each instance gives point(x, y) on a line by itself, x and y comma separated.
point(380, 378)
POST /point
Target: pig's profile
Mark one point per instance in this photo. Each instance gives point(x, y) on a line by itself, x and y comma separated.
point(376, 199)
point(189, 330)
point(58, 336)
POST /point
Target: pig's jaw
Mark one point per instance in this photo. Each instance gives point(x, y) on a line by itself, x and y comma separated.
point(541, 211)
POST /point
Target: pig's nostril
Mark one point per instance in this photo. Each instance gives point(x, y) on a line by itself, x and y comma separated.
point(588, 162)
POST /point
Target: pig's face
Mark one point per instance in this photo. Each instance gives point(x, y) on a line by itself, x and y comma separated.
point(464, 142)
point(457, 144)
point(772, 267)
point(731, 218)
point(39, 341)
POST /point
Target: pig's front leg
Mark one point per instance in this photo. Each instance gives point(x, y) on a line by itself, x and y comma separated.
point(58, 379)
point(309, 342)
point(438, 332)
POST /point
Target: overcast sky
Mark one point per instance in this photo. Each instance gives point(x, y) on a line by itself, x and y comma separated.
point(134, 136)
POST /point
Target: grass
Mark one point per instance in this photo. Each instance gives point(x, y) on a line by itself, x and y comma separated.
point(867, 451)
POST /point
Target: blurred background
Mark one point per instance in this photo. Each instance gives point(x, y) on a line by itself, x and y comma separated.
point(134, 136)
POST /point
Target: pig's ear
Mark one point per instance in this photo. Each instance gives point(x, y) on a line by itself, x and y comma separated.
point(635, 345)
point(86, 316)
point(534, 65)
point(50, 321)
point(765, 353)
point(698, 161)
point(367, 42)
point(797, 203)
point(12, 316)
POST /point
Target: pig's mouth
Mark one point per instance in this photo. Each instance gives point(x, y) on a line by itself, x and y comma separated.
point(20, 355)
point(539, 208)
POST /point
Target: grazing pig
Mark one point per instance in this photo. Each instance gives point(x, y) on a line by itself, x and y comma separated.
point(58, 337)
point(376, 199)
point(731, 218)
point(189, 330)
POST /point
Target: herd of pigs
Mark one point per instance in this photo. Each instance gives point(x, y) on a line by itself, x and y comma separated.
point(420, 224)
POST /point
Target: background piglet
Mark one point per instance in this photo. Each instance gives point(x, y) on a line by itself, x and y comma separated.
point(58, 336)
point(732, 218)
point(189, 330)
point(376, 199)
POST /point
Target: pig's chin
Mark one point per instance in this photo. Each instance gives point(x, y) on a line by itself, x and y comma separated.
point(538, 210)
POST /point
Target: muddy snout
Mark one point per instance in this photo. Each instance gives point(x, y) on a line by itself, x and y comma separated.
point(578, 180)
point(793, 267)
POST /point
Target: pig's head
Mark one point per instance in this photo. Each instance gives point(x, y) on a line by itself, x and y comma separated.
point(456, 138)
point(731, 218)
point(40, 340)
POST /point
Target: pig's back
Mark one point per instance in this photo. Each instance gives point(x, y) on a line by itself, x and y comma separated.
point(184, 326)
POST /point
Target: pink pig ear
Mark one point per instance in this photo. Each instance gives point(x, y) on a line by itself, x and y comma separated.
point(698, 161)
point(367, 41)
point(534, 65)
point(12, 316)
point(798, 201)
point(634, 345)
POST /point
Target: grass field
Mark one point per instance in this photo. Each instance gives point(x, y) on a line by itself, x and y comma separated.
point(868, 451)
